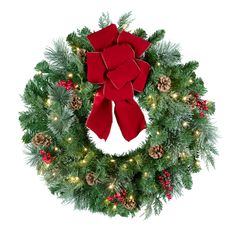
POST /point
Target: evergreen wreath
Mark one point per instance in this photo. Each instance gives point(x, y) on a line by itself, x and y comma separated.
point(59, 100)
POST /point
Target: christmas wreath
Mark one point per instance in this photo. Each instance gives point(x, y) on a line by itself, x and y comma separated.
point(73, 90)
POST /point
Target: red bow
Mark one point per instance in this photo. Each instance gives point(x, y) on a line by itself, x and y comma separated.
point(116, 68)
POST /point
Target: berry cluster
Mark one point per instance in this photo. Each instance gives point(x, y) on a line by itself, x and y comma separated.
point(68, 85)
point(46, 157)
point(202, 105)
point(117, 197)
point(164, 180)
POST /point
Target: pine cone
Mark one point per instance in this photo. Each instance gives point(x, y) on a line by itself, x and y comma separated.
point(41, 139)
point(156, 151)
point(76, 102)
point(129, 204)
point(81, 52)
point(164, 84)
point(191, 101)
point(91, 179)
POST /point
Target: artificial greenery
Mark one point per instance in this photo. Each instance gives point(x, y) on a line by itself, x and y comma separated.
point(186, 137)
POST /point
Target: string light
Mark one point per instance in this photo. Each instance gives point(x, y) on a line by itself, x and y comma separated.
point(184, 98)
point(158, 132)
point(153, 105)
point(185, 124)
point(112, 160)
point(158, 63)
point(114, 207)
point(111, 186)
point(48, 102)
point(145, 174)
point(39, 72)
point(55, 118)
point(174, 95)
point(131, 197)
point(85, 149)
point(198, 163)
point(167, 157)
point(69, 139)
point(125, 166)
point(74, 179)
point(56, 149)
point(190, 81)
point(131, 160)
point(70, 75)
point(84, 161)
point(197, 132)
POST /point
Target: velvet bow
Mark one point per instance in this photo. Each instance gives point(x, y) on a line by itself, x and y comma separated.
point(114, 65)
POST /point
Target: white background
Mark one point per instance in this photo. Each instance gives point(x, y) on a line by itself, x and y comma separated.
point(206, 32)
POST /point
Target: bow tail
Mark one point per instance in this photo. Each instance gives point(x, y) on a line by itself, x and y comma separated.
point(100, 118)
point(130, 118)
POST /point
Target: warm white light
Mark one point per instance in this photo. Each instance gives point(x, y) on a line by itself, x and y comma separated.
point(145, 174)
point(55, 118)
point(111, 186)
point(158, 133)
point(69, 139)
point(56, 149)
point(174, 95)
point(70, 75)
point(49, 102)
point(130, 160)
point(197, 132)
point(112, 160)
point(184, 98)
point(190, 81)
point(185, 124)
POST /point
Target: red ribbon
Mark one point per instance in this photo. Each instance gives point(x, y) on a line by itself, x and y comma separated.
point(114, 65)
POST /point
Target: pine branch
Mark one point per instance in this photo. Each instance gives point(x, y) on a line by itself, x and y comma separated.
point(124, 21)
point(104, 20)
point(156, 36)
point(168, 53)
point(59, 55)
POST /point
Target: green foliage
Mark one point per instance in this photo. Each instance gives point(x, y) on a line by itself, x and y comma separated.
point(48, 110)
point(104, 20)
point(156, 36)
point(125, 21)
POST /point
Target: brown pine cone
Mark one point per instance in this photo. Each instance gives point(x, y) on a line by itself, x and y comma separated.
point(81, 52)
point(191, 101)
point(41, 139)
point(76, 102)
point(164, 84)
point(129, 204)
point(156, 151)
point(91, 179)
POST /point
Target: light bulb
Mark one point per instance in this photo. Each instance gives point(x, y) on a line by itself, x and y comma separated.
point(111, 186)
point(185, 124)
point(190, 81)
point(158, 133)
point(69, 139)
point(55, 118)
point(174, 95)
point(56, 149)
point(70, 75)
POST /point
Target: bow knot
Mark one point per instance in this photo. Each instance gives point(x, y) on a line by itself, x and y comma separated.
point(114, 65)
